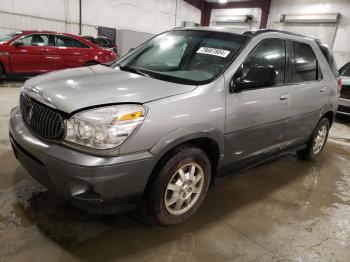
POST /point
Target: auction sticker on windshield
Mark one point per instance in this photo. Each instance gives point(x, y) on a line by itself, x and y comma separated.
point(213, 51)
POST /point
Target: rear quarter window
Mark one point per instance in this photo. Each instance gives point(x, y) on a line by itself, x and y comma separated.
point(329, 57)
point(305, 65)
point(65, 41)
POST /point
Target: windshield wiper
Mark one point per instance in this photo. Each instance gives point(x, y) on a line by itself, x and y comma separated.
point(132, 70)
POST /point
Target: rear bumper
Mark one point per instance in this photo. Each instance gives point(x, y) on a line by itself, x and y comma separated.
point(344, 106)
point(98, 184)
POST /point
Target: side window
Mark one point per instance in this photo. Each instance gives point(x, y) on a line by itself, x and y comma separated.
point(270, 52)
point(65, 41)
point(306, 67)
point(99, 41)
point(345, 70)
point(107, 43)
point(35, 40)
point(103, 42)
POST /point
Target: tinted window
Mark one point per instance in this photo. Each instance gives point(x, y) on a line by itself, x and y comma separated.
point(306, 67)
point(35, 40)
point(103, 42)
point(329, 57)
point(345, 70)
point(65, 41)
point(270, 52)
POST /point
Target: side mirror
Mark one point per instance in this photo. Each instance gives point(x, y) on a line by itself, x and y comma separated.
point(257, 76)
point(18, 43)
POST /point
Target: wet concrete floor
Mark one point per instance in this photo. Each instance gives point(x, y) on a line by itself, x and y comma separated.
point(282, 210)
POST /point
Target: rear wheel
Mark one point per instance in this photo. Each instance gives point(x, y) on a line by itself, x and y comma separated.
point(179, 188)
point(317, 141)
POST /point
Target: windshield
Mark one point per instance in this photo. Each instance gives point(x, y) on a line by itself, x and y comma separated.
point(7, 37)
point(188, 57)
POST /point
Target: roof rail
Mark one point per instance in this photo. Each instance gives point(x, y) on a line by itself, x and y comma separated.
point(262, 31)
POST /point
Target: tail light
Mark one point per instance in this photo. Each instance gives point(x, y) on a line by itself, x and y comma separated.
point(340, 84)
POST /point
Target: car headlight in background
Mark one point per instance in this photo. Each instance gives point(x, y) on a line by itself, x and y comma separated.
point(104, 127)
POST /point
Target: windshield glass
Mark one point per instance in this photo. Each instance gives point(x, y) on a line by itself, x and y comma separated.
point(188, 57)
point(7, 37)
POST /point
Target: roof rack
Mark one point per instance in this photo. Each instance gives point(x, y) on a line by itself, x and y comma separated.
point(262, 31)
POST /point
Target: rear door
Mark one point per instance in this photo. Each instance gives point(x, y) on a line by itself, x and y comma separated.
point(256, 118)
point(309, 92)
point(69, 52)
point(33, 56)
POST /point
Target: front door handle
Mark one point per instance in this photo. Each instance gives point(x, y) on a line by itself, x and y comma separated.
point(323, 89)
point(284, 96)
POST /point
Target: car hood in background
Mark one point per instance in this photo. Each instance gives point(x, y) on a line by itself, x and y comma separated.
point(73, 89)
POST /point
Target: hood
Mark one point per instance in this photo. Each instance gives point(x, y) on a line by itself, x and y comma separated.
point(73, 89)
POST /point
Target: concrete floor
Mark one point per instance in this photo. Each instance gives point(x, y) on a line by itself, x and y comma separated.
point(283, 210)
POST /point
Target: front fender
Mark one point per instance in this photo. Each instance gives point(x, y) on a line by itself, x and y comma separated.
point(188, 133)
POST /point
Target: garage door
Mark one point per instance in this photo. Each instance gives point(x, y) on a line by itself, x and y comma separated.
point(321, 26)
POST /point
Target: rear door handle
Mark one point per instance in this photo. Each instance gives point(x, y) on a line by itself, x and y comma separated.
point(284, 96)
point(323, 89)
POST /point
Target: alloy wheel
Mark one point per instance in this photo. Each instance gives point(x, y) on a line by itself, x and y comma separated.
point(184, 189)
point(320, 139)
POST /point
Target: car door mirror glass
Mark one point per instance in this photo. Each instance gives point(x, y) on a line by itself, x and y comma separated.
point(257, 76)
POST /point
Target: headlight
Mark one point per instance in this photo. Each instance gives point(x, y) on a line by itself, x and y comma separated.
point(104, 127)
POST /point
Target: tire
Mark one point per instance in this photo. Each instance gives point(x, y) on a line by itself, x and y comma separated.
point(184, 158)
point(2, 71)
point(91, 63)
point(310, 152)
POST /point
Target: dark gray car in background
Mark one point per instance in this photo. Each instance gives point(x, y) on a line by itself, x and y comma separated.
point(344, 100)
point(189, 106)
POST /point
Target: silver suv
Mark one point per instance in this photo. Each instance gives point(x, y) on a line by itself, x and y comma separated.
point(156, 129)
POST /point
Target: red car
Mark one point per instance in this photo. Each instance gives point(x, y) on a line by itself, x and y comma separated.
point(37, 52)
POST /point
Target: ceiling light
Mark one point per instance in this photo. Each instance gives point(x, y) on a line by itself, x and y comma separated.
point(222, 1)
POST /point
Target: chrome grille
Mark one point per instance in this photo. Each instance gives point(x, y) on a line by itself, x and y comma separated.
point(41, 119)
point(345, 92)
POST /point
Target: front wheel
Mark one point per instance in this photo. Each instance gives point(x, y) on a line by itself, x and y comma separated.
point(2, 71)
point(317, 141)
point(179, 186)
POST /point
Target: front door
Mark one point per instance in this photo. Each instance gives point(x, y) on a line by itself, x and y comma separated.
point(256, 118)
point(32, 55)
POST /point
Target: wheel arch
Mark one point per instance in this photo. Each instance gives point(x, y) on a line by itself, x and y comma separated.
point(330, 116)
point(2, 67)
point(206, 143)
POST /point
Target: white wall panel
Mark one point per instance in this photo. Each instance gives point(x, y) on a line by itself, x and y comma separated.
point(341, 42)
point(150, 16)
point(10, 22)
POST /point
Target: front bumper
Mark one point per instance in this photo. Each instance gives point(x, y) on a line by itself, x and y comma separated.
point(98, 184)
point(344, 106)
